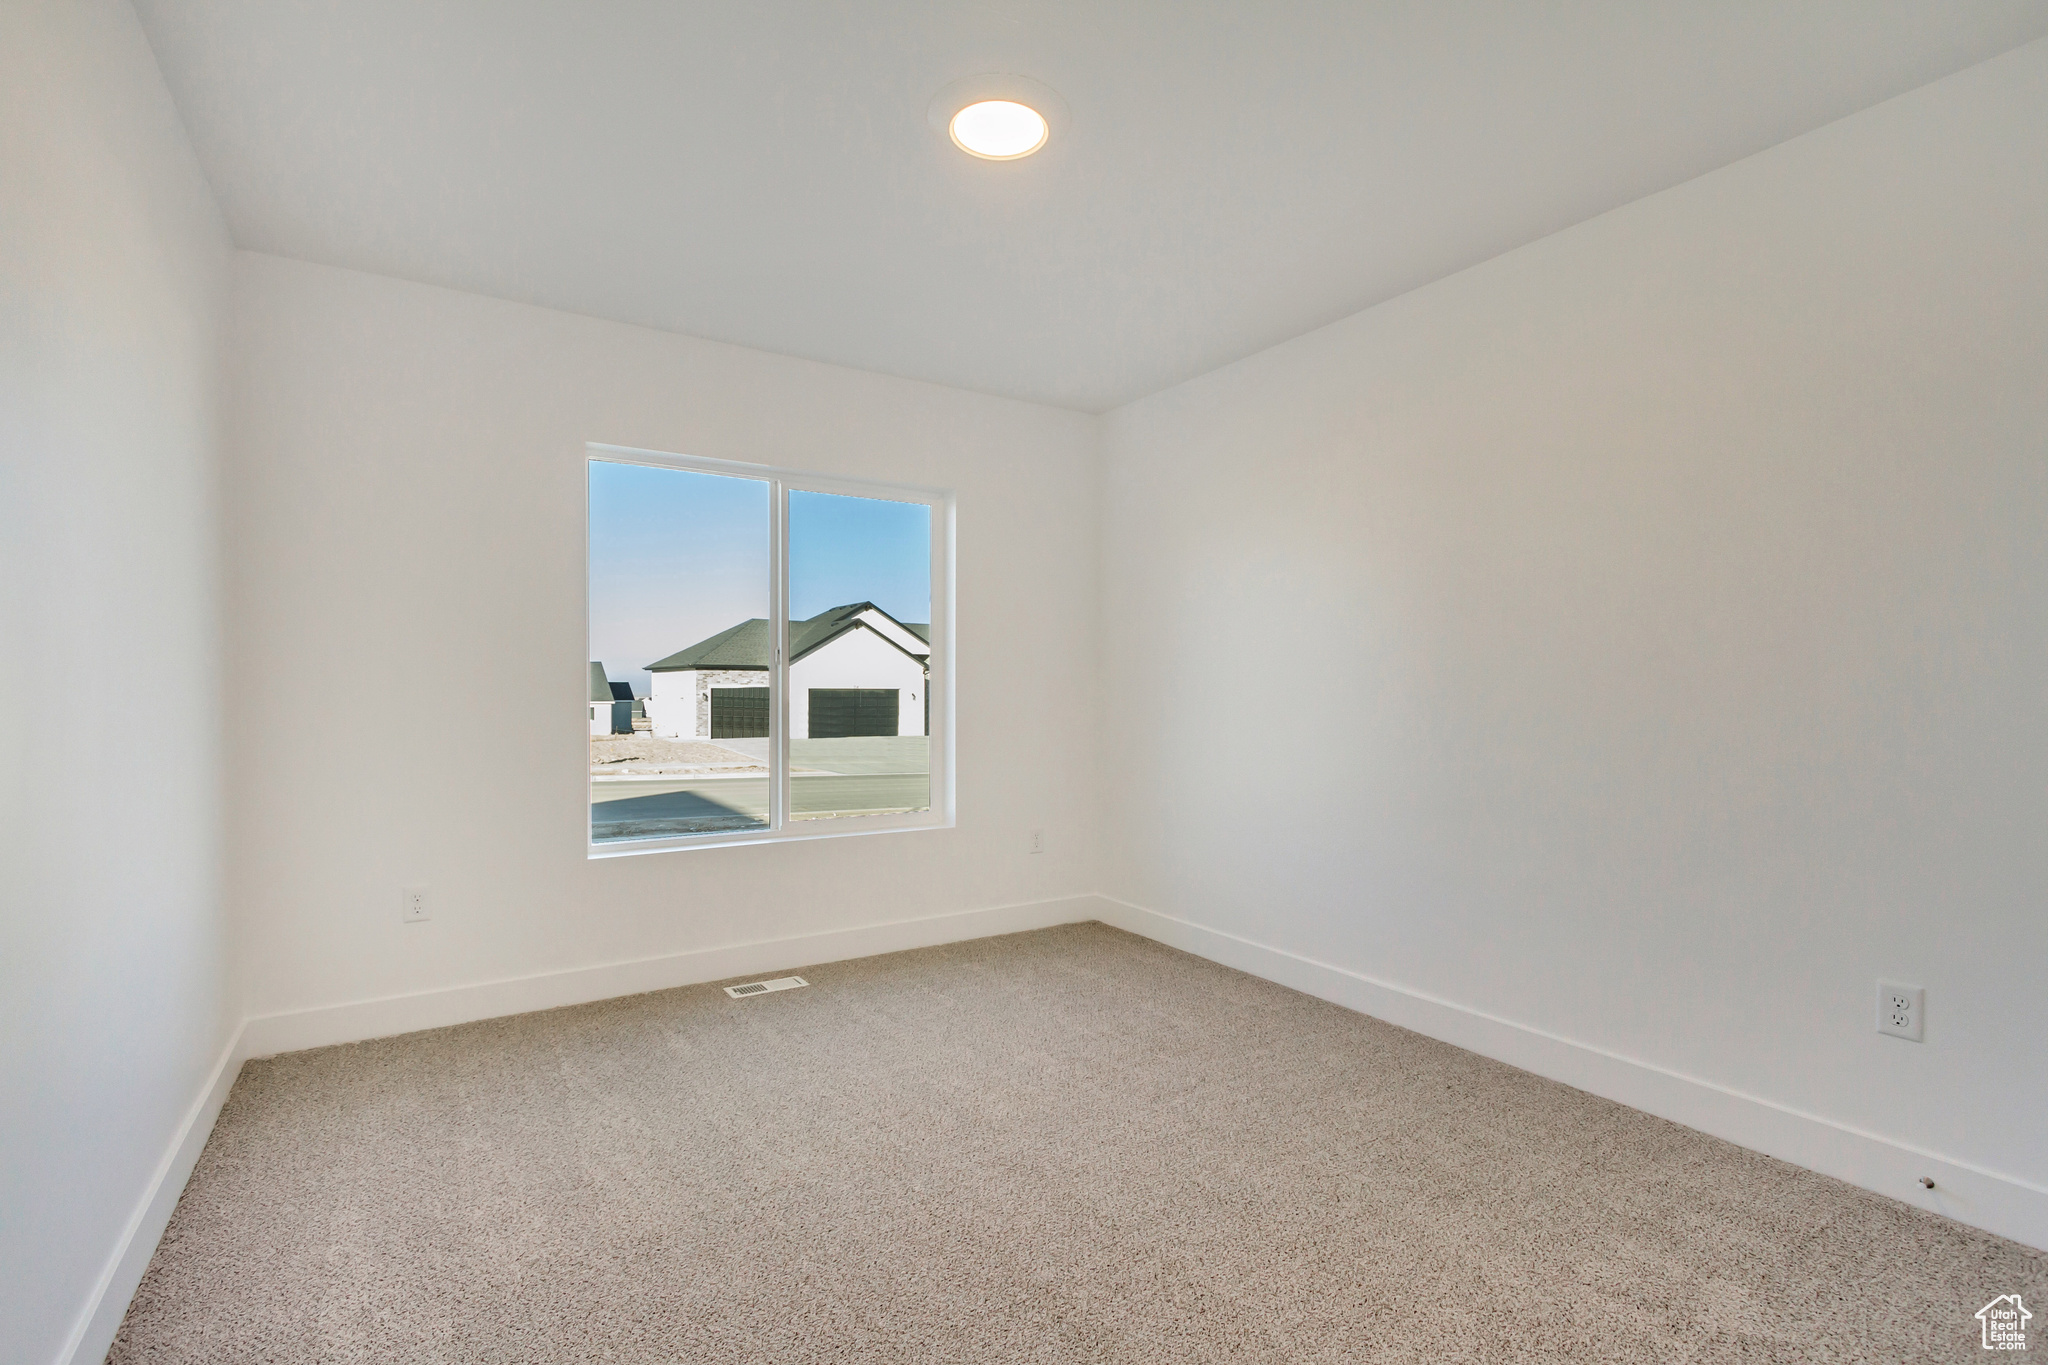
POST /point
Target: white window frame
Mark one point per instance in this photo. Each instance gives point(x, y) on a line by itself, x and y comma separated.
point(939, 685)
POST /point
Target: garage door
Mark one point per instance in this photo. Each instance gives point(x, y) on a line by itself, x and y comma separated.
point(739, 713)
point(840, 711)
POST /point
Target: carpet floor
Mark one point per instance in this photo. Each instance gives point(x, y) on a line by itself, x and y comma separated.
point(1068, 1145)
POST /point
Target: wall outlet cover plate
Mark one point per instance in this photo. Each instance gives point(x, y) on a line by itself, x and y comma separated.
point(1901, 1010)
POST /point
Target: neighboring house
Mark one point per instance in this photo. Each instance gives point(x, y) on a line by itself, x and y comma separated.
point(611, 704)
point(853, 670)
point(635, 714)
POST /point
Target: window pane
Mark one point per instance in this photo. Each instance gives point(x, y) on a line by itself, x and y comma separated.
point(860, 598)
point(679, 609)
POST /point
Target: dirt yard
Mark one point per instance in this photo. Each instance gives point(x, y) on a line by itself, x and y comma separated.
point(615, 755)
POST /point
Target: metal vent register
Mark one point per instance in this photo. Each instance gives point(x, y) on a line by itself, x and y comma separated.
point(780, 983)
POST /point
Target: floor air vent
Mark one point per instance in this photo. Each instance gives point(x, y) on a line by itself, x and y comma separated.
point(780, 983)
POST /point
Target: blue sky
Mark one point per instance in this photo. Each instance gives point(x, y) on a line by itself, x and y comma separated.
point(676, 556)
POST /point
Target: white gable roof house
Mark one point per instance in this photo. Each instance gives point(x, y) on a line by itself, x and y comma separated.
point(853, 670)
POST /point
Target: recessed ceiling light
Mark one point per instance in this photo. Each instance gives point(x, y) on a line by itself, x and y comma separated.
point(1000, 118)
point(999, 130)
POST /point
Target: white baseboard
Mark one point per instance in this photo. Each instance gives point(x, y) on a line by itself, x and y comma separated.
point(93, 1334)
point(268, 1034)
point(2004, 1204)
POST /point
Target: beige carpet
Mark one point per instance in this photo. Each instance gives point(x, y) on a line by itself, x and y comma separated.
point(1071, 1145)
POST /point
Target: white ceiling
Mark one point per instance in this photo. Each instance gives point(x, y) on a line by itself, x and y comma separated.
point(762, 172)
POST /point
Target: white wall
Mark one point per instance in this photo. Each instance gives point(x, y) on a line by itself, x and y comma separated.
point(1640, 638)
point(405, 521)
point(672, 704)
point(114, 1001)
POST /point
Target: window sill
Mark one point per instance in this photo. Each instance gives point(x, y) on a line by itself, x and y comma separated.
point(802, 831)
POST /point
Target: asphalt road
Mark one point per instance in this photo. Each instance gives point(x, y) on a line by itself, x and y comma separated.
point(661, 806)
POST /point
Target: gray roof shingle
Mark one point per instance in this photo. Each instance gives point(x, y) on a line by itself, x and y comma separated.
point(745, 645)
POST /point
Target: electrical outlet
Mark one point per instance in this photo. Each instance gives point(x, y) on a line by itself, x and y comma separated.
point(1037, 841)
point(1901, 1010)
point(412, 905)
